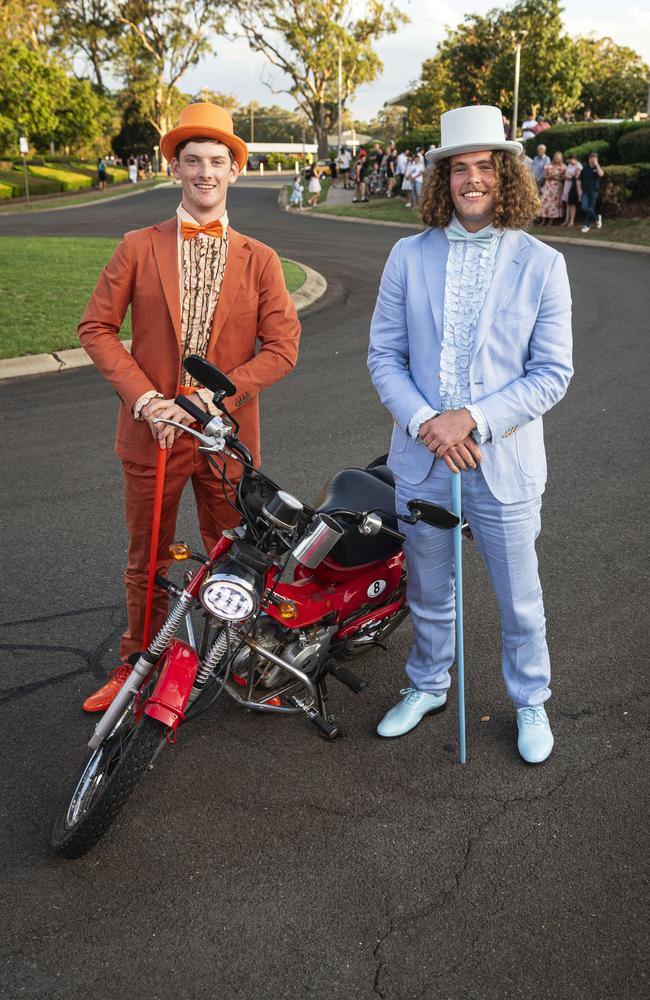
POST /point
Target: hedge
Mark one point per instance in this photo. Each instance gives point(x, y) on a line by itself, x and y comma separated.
point(6, 191)
point(423, 135)
point(67, 181)
point(37, 185)
point(634, 147)
point(563, 137)
point(116, 175)
point(604, 150)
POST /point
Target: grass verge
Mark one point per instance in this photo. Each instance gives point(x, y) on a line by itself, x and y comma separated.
point(45, 283)
point(67, 200)
point(393, 210)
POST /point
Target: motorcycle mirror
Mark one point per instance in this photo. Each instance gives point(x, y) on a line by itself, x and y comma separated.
point(209, 376)
point(431, 513)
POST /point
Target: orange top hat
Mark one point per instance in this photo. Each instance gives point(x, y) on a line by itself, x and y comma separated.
point(205, 121)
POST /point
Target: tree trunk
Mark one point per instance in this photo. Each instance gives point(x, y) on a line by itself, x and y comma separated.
point(320, 126)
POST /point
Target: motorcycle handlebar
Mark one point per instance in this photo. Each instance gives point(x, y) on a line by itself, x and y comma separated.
point(195, 411)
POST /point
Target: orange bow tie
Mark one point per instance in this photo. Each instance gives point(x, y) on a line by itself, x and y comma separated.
point(191, 229)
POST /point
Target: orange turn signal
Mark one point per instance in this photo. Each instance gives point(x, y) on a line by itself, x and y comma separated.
point(288, 611)
point(180, 551)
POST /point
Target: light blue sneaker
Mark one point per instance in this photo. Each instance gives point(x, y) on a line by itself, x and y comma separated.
point(410, 710)
point(535, 740)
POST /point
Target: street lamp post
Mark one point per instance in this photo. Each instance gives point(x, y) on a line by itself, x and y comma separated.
point(518, 38)
point(340, 85)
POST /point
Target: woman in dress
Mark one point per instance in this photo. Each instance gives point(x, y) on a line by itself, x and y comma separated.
point(571, 192)
point(552, 207)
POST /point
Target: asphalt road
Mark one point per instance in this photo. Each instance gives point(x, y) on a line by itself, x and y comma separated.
point(257, 862)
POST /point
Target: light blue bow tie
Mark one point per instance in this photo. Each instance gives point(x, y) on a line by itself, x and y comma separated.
point(457, 234)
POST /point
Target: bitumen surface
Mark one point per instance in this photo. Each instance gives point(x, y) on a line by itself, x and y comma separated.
point(256, 861)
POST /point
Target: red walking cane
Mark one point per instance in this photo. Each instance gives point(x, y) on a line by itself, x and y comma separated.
point(161, 466)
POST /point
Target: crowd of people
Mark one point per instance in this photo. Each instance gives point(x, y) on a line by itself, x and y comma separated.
point(566, 186)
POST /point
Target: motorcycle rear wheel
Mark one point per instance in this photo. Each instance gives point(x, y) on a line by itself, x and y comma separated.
point(106, 779)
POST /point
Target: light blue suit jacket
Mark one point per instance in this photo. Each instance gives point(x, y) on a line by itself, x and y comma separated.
point(520, 363)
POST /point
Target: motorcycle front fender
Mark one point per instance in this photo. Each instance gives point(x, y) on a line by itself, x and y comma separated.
point(170, 696)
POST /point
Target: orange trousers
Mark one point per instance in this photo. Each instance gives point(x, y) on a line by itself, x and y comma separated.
point(184, 463)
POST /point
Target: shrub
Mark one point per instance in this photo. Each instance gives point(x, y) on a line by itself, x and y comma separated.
point(6, 191)
point(423, 136)
point(617, 187)
point(37, 185)
point(634, 146)
point(116, 175)
point(642, 183)
point(598, 146)
point(67, 180)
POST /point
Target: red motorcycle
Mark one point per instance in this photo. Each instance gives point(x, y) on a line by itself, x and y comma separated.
point(287, 599)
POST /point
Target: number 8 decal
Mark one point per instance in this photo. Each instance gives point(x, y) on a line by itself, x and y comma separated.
point(376, 588)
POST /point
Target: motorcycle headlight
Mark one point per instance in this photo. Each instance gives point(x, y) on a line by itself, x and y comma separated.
point(231, 596)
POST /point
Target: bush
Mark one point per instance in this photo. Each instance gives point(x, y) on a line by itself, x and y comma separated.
point(37, 185)
point(6, 191)
point(598, 146)
point(642, 183)
point(617, 187)
point(423, 136)
point(634, 146)
point(116, 175)
point(67, 180)
point(562, 137)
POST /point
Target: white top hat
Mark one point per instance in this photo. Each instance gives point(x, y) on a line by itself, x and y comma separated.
point(468, 130)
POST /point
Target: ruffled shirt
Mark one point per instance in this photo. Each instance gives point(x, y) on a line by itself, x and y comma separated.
point(469, 272)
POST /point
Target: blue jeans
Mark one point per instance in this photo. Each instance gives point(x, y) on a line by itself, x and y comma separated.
point(589, 202)
point(504, 535)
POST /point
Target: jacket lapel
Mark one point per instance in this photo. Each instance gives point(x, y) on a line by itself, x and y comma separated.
point(165, 248)
point(435, 250)
point(236, 261)
point(510, 256)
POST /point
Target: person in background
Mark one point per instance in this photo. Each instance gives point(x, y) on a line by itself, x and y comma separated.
point(542, 125)
point(551, 208)
point(400, 168)
point(528, 128)
point(571, 190)
point(407, 184)
point(345, 162)
point(102, 174)
point(526, 160)
point(314, 188)
point(391, 169)
point(417, 177)
point(297, 189)
point(360, 171)
point(133, 170)
point(540, 161)
point(590, 180)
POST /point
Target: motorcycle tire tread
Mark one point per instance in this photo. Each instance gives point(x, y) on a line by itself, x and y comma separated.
point(75, 842)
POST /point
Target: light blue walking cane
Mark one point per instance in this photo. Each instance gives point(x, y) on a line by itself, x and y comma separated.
point(456, 504)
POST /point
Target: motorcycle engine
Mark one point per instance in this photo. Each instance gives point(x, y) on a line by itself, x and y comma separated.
point(305, 651)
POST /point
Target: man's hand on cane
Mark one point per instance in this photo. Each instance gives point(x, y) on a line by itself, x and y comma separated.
point(168, 410)
point(448, 435)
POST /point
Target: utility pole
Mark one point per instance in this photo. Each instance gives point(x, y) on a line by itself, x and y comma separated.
point(518, 38)
point(340, 102)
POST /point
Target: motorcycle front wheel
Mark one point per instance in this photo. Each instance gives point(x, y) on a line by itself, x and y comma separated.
point(104, 783)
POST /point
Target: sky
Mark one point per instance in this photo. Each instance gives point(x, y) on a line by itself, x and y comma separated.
point(234, 70)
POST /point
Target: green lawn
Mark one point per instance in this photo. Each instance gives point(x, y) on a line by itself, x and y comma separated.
point(393, 210)
point(45, 282)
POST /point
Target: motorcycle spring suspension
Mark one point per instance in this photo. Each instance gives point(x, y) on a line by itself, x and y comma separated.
point(211, 661)
point(169, 629)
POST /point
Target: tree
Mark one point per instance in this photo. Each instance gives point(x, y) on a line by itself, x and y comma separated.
point(474, 64)
point(303, 40)
point(161, 41)
point(615, 78)
point(271, 124)
point(34, 86)
point(89, 28)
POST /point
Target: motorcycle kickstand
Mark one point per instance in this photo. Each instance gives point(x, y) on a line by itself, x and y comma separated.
point(330, 731)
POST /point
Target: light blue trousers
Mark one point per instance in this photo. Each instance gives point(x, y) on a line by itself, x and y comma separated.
point(504, 535)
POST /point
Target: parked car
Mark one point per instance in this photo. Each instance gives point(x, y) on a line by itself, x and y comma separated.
point(324, 168)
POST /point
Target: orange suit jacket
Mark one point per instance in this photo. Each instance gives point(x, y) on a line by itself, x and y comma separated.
point(254, 310)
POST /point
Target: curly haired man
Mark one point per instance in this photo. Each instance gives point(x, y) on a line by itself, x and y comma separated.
point(470, 344)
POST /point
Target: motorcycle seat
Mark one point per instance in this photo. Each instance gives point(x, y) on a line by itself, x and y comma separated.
point(360, 490)
point(382, 472)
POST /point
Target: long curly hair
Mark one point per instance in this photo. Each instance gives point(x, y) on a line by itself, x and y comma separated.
point(517, 201)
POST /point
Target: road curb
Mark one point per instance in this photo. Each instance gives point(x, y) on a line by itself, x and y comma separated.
point(573, 241)
point(312, 289)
